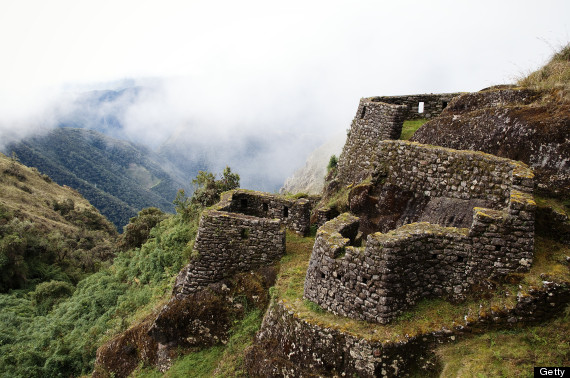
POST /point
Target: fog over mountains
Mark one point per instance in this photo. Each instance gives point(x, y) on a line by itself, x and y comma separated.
point(138, 146)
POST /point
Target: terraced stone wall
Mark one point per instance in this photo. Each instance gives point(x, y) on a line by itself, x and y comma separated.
point(374, 121)
point(394, 270)
point(381, 118)
point(290, 345)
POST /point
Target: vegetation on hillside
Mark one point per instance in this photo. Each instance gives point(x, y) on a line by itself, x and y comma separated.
point(47, 232)
point(553, 76)
point(56, 327)
point(117, 177)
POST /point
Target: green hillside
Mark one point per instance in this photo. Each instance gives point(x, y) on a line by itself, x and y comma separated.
point(54, 329)
point(47, 232)
point(117, 177)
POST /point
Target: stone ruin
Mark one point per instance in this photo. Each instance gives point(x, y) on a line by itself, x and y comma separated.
point(381, 118)
point(401, 249)
point(243, 231)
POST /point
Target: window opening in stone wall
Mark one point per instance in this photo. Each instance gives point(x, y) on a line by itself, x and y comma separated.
point(443, 105)
point(363, 112)
point(244, 234)
point(459, 258)
point(285, 211)
point(243, 203)
point(421, 107)
point(265, 207)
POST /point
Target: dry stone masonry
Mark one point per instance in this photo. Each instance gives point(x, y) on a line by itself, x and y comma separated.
point(291, 345)
point(381, 118)
point(245, 230)
point(420, 106)
point(394, 270)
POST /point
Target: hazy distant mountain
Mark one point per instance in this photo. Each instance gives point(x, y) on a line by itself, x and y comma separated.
point(99, 110)
point(117, 177)
point(311, 177)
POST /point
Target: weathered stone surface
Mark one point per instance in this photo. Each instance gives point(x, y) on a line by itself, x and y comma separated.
point(186, 323)
point(290, 346)
point(245, 230)
point(395, 269)
point(511, 123)
point(377, 119)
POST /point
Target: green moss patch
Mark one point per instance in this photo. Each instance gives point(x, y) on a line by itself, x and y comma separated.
point(410, 127)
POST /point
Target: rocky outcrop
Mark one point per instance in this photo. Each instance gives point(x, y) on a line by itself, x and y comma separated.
point(310, 178)
point(186, 323)
point(518, 124)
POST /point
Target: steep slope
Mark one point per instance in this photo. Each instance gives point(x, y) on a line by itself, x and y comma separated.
point(117, 177)
point(311, 177)
point(103, 111)
point(46, 231)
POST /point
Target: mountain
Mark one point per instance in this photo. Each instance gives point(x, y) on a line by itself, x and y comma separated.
point(117, 177)
point(47, 232)
point(311, 177)
point(99, 110)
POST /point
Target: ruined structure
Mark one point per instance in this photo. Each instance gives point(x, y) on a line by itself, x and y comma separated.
point(381, 118)
point(376, 282)
point(245, 230)
point(513, 123)
point(419, 106)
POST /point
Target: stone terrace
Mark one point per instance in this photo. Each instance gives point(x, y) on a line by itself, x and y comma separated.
point(394, 270)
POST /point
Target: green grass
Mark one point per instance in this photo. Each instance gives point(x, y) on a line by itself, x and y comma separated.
point(509, 353)
point(217, 361)
point(559, 205)
point(410, 127)
point(428, 315)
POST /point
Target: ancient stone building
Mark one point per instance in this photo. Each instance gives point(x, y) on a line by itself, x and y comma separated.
point(435, 256)
point(245, 230)
point(381, 118)
point(419, 106)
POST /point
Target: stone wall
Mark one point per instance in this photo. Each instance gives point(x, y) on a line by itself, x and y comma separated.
point(294, 213)
point(244, 231)
point(374, 121)
point(228, 243)
point(396, 269)
point(444, 172)
point(377, 119)
point(290, 345)
point(433, 104)
point(513, 123)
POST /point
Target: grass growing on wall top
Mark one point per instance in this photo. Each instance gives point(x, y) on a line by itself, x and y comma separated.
point(428, 315)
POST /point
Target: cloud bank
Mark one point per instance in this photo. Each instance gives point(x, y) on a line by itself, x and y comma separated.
point(254, 76)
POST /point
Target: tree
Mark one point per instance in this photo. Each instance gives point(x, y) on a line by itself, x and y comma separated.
point(208, 189)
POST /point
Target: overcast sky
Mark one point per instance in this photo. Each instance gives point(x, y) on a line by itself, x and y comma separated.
point(265, 64)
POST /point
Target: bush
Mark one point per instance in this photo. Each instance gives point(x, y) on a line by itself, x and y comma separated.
point(49, 294)
point(137, 231)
